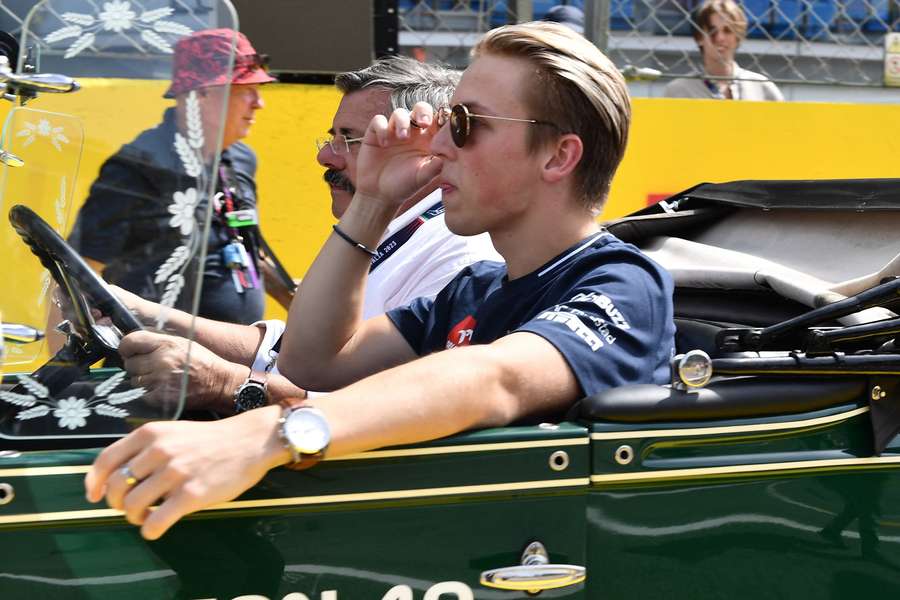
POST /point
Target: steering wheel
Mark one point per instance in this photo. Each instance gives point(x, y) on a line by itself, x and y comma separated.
point(80, 282)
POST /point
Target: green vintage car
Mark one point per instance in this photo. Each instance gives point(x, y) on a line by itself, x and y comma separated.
point(780, 476)
point(768, 468)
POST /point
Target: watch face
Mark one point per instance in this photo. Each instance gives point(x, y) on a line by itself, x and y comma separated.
point(250, 396)
point(307, 430)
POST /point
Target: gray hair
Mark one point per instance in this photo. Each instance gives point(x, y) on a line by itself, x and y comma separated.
point(408, 80)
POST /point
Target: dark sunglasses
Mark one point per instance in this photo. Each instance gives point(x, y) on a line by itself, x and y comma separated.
point(460, 118)
point(251, 62)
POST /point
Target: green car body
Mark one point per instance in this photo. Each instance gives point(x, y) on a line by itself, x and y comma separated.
point(779, 479)
point(739, 508)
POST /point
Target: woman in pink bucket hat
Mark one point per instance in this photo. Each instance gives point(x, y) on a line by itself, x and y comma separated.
point(129, 225)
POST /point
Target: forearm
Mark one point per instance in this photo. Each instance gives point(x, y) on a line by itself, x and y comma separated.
point(397, 406)
point(231, 341)
point(448, 392)
point(327, 308)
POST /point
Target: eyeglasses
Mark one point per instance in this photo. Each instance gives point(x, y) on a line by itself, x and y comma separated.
point(339, 144)
point(460, 119)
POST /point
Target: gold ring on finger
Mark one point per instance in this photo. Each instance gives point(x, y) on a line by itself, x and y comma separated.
point(130, 477)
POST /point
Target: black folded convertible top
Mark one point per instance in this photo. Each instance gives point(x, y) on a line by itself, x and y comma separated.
point(817, 194)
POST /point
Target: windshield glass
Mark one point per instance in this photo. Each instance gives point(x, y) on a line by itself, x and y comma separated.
point(111, 174)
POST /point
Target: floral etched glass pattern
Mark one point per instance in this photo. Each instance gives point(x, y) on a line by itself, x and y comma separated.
point(121, 52)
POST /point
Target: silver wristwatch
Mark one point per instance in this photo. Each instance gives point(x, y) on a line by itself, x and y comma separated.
point(251, 394)
point(305, 433)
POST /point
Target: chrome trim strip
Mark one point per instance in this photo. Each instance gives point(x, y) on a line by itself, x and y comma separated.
point(752, 468)
point(39, 471)
point(307, 500)
point(653, 433)
point(401, 494)
point(581, 441)
point(91, 513)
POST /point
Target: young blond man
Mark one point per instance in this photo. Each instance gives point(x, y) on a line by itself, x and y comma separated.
point(538, 127)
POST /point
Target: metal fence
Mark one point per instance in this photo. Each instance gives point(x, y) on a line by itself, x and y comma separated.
point(838, 42)
point(792, 41)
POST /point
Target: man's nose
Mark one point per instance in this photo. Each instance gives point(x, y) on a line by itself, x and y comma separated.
point(442, 144)
point(330, 159)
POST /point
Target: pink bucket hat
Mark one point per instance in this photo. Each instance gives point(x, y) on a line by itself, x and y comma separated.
point(201, 60)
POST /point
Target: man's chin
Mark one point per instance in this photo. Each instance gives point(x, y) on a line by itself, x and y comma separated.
point(340, 201)
point(460, 226)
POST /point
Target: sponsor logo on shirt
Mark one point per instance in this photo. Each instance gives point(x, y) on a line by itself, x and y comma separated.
point(576, 325)
point(462, 332)
point(606, 305)
point(381, 252)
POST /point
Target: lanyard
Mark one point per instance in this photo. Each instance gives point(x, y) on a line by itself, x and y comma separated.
point(714, 89)
point(393, 243)
point(229, 203)
point(717, 92)
point(235, 254)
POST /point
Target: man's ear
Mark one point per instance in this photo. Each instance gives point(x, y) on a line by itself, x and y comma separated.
point(567, 153)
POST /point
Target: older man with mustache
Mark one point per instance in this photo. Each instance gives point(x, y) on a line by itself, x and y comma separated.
point(417, 257)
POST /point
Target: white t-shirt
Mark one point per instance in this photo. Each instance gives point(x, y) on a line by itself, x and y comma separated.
point(746, 86)
point(421, 267)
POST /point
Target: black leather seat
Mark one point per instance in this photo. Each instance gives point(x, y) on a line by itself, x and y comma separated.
point(727, 398)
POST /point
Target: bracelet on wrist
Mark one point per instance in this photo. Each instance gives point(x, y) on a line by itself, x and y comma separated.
point(353, 242)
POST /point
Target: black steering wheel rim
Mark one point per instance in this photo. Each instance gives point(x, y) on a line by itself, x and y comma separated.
point(64, 263)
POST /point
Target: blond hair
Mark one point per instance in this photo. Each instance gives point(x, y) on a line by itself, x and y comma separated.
point(577, 88)
point(727, 9)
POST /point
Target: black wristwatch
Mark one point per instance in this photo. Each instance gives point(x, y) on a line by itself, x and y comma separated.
point(252, 393)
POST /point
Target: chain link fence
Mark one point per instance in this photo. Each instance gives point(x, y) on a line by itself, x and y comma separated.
point(837, 42)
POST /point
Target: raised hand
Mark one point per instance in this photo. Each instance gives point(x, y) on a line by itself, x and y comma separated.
point(395, 160)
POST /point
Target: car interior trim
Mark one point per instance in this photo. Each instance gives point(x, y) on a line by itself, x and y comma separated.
point(717, 430)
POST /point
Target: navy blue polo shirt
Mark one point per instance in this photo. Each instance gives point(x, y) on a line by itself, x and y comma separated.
point(605, 306)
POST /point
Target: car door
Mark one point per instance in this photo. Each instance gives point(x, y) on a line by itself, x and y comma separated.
point(781, 506)
point(408, 523)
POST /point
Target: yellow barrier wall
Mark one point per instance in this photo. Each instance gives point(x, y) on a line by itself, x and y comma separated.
point(674, 144)
point(678, 143)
